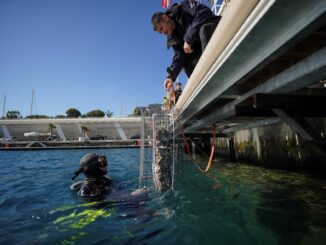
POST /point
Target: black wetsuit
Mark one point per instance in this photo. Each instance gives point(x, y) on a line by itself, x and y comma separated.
point(177, 95)
point(92, 187)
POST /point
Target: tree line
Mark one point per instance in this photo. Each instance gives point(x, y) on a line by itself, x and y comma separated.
point(70, 113)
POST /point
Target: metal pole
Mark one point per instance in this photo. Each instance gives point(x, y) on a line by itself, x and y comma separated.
point(141, 164)
point(153, 140)
point(32, 103)
point(4, 106)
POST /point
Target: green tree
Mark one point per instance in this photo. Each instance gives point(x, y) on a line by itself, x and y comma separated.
point(95, 113)
point(137, 112)
point(84, 130)
point(60, 116)
point(37, 116)
point(109, 113)
point(13, 114)
point(73, 112)
point(51, 127)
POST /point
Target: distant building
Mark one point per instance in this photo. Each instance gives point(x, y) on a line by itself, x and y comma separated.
point(154, 108)
point(149, 110)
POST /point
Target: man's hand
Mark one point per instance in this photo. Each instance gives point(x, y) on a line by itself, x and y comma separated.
point(168, 83)
point(187, 48)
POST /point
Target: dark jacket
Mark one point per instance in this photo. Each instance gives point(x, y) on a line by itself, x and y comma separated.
point(177, 95)
point(188, 17)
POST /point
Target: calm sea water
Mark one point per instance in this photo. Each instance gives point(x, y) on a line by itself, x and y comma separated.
point(232, 204)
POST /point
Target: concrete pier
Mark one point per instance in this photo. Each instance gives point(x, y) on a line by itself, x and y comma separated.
point(275, 146)
point(262, 82)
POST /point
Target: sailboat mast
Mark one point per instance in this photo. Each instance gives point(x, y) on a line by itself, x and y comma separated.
point(4, 106)
point(32, 103)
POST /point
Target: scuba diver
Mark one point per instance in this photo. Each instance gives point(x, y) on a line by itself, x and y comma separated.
point(96, 183)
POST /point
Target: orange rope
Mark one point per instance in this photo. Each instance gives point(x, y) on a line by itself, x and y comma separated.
point(166, 104)
point(174, 97)
point(185, 140)
point(167, 107)
point(189, 152)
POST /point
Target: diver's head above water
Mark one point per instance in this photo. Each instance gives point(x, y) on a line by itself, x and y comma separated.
point(96, 183)
point(92, 166)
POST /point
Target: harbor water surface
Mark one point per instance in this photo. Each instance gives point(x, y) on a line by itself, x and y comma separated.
point(231, 204)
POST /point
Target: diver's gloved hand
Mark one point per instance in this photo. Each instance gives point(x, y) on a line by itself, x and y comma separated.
point(77, 173)
point(92, 165)
point(103, 161)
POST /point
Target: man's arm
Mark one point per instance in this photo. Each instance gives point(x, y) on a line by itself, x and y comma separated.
point(175, 68)
point(177, 63)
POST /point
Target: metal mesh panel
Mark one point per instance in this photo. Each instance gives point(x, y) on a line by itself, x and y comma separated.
point(163, 150)
point(146, 134)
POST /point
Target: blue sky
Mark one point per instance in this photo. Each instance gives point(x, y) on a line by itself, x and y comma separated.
point(86, 54)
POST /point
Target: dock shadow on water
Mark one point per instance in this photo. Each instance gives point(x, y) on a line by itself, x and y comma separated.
point(231, 204)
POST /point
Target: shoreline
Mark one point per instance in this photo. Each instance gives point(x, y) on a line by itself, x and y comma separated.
point(69, 145)
point(66, 148)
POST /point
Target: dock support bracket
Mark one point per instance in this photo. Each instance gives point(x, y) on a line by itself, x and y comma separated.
point(301, 126)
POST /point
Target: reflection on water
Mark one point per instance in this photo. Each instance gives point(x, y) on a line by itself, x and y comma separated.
point(232, 204)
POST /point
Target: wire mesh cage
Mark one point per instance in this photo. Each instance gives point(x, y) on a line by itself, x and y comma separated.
point(163, 150)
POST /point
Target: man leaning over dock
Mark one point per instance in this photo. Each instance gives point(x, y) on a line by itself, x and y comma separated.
point(188, 27)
